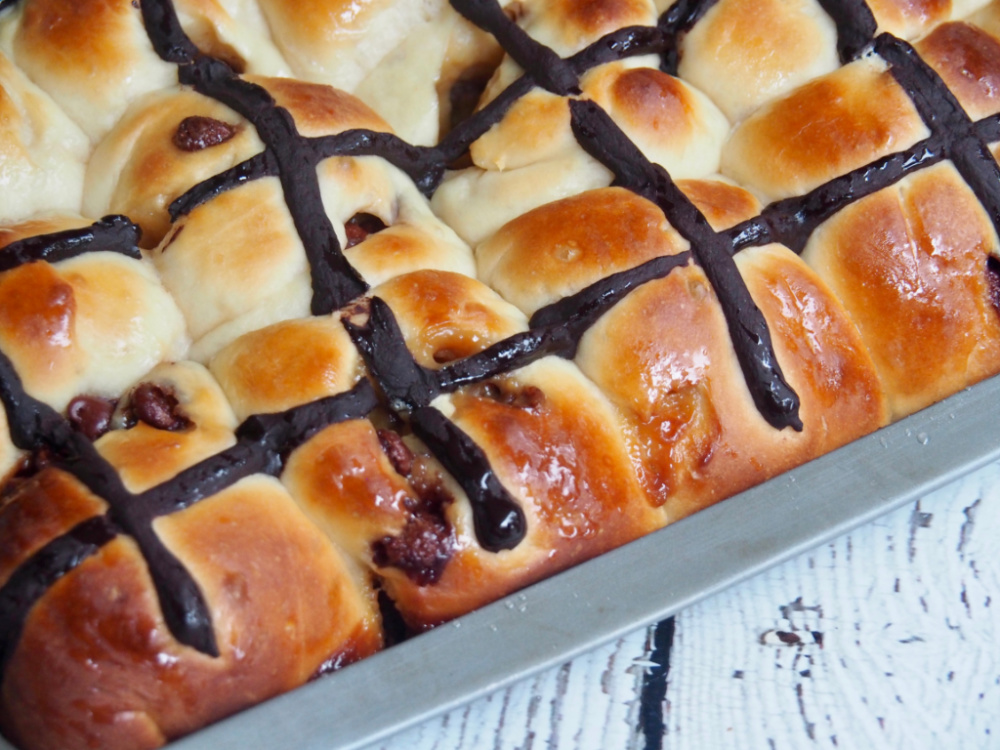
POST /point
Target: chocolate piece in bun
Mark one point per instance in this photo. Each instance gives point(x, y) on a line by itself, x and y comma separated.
point(324, 323)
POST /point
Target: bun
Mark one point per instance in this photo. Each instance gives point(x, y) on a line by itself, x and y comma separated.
point(324, 323)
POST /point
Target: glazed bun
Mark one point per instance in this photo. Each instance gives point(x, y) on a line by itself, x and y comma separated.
point(324, 323)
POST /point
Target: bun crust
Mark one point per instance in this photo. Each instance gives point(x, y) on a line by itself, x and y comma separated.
point(324, 323)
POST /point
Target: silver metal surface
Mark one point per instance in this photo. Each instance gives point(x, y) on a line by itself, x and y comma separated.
point(618, 592)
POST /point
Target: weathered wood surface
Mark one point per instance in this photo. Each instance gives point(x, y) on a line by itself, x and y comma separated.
point(885, 638)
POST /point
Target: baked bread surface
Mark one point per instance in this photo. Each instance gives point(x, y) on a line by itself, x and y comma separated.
point(324, 323)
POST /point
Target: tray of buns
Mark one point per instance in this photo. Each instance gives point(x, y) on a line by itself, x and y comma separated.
point(357, 358)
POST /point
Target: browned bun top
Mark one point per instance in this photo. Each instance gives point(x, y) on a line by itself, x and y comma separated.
point(167, 142)
point(923, 295)
point(447, 316)
point(283, 604)
point(968, 59)
point(173, 139)
point(569, 25)
point(562, 247)
point(407, 304)
point(37, 509)
point(833, 124)
point(85, 54)
point(721, 203)
point(665, 359)
point(307, 359)
point(175, 416)
point(89, 324)
point(94, 56)
point(744, 53)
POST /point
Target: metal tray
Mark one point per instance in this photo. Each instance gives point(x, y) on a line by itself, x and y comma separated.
point(642, 582)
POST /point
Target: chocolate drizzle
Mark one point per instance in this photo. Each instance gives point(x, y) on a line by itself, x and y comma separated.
point(856, 26)
point(499, 521)
point(114, 234)
point(33, 425)
point(262, 165)
point(792, 221)
point(944, 116)
point(555, 329)
point(603, 140)
point(40, 571)
point(264, 440)
point(334, 281)
point(547, 69)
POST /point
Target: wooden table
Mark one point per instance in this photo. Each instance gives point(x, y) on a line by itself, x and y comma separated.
point(885, 638)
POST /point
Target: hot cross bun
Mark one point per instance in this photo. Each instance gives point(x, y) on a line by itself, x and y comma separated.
point(324, 323)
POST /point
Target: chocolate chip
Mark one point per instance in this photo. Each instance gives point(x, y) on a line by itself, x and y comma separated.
point(427, 542)
point(444, 355)
point(527, 397)
point(197, 133)
point(90, 415)
point(400, 456)
point(32, 463)
point(421, 550)
point(157, 407)
point(359, 226)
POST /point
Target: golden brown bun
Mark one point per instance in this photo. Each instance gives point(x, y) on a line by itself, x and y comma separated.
point(38, 509)
point(551, 438)
point(663, 354)
point(235, 263)
point(138, 169)
point(722, 203)
point(968, 59)
point(549, 435)
point(94, 57)
point(829, 126)
point(744, 53)
point(146, 455)
point(285, 365)
point(447, 316)
point(90, 324)
point(201, 355)
point(922, 295)
point(142, 166)
point(664, 358)
point(910, 19)
point(401, 58)
point(282, 605)
point(568, 26)
point(532, 158)
point(562, 247)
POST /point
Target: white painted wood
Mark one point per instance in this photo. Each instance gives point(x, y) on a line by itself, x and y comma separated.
point(906, 652)
point(909, 654)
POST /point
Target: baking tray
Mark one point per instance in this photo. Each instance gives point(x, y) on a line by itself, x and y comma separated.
point(577, 610)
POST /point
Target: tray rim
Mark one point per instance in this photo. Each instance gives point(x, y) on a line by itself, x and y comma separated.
point(575, 611)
